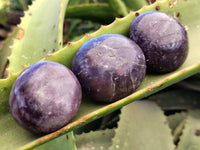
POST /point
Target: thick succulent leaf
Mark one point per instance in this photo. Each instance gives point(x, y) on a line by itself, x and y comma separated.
point(96, 12)
point(74, 2)
point(118, 6)
point(38, 34)
point(176, 123)
point(12, 135)
point(178, 131)
point(188, 12)
point(5, 51)
point(106, 122)
point(192, 83)
point(77, 2)
point(175, 119)
point(190, 140)
point(92, 126)
point(176, 98)
point(4, 9)
point(63, 7)
point(64, 142)
point(5, 87)
point(142, 126)
point(135, 4)
point(97, 140)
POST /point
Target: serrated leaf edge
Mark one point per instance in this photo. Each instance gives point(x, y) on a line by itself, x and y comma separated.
point(165, 122)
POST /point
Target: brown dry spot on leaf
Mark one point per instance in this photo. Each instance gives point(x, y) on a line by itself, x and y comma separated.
point(177, 14)
point(157, 8)
point(197, 132)
point(20, 34)
point(137, 14)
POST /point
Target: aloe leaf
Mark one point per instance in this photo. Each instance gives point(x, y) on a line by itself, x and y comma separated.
point(118, 6)
point(178, 131)
point(5, 51)
point(98, 140)
point(175, 119)
point(64, 142)
point(192, 83)
point(40, 33)
point(74, 2)
point(106, 122)
point(92, 126)
point(135, 4)
point(77, 2)
point(95, 12)
point(13, 136)
point(176, 98)
point(5, 87)
point(4, 9)
point(142, 126)
point(188, 15)
point(176, 124)
point(63, 7)
point(191, 133)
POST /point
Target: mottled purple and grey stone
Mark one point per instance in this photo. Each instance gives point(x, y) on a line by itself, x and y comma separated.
point(163, 40)
point(45, 97)
point(109, 67)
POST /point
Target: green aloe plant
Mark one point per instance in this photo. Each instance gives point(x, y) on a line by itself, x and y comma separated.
point(46, 44)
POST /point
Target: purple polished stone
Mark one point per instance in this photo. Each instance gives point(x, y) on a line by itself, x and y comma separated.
point(45, 97)
point(163, 40)
point(109, 67)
